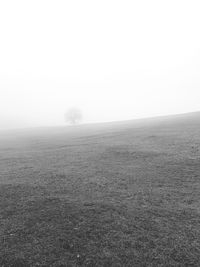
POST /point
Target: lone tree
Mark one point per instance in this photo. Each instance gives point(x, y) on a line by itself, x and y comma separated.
point(73, 116)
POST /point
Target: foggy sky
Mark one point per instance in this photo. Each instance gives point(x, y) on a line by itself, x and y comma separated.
point(115, 60)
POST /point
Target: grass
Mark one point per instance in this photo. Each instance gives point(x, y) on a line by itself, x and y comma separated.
point(109, 195)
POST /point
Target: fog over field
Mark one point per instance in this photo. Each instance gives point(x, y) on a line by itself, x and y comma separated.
point(99, 133)
point(114, 60)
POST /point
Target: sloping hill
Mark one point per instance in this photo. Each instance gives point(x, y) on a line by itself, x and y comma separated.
point(114, 194)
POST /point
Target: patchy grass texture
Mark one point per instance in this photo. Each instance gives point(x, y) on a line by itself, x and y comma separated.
point(121, 194)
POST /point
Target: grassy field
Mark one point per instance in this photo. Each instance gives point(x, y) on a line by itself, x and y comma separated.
point(120, 194)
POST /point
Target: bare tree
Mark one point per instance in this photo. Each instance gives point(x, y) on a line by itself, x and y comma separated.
point(73, 116)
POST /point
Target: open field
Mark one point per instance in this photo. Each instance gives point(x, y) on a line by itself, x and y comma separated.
point(120, 194)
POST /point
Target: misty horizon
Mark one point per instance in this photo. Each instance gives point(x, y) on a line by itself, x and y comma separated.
point(141, 65)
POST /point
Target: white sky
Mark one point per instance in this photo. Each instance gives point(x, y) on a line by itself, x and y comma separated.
point(113, 59)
